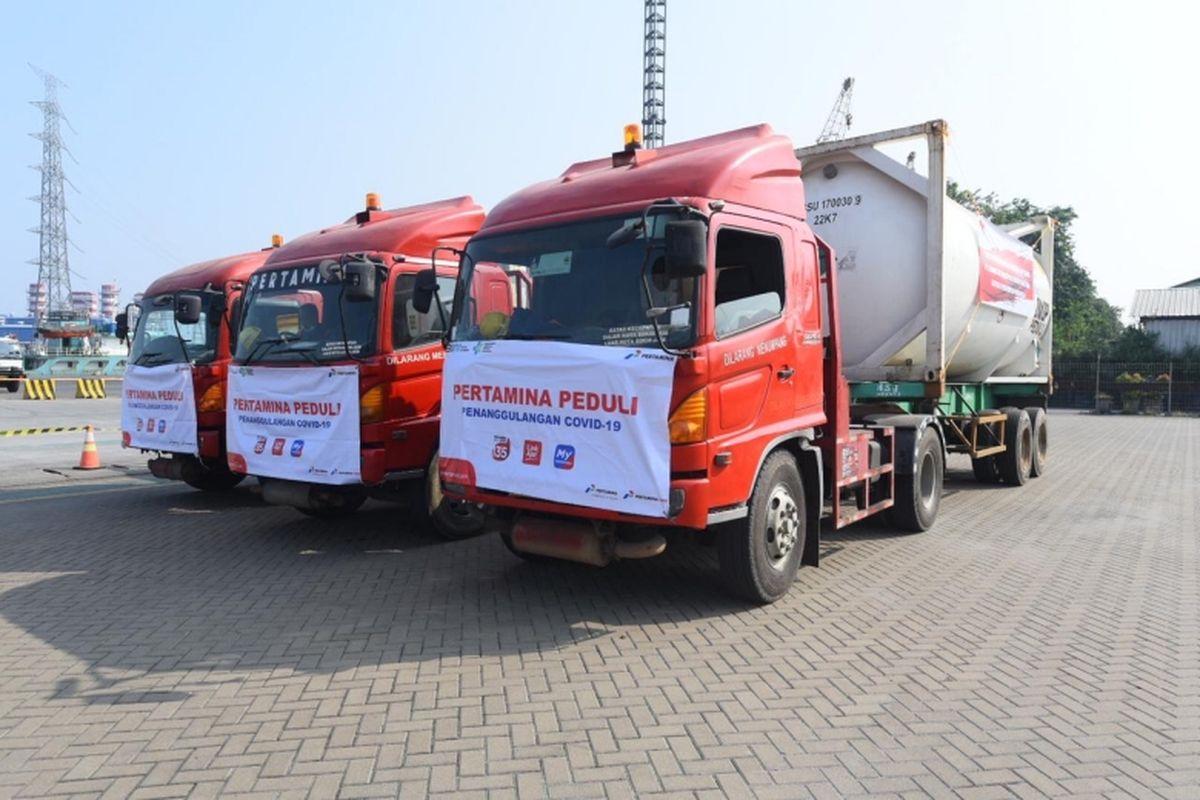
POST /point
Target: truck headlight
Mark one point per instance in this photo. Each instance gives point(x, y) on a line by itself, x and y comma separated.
point(213, 398)
point(370, 406)
point(688, 423)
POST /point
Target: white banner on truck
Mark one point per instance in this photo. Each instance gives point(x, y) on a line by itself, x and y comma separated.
point(158, 409)
point(296, 423)
point(1005, 271)
point(579, 424)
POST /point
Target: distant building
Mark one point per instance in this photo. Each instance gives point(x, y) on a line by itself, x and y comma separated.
point(85, 302)
point(38, 299)
point(110, 299)
point(1174, 314)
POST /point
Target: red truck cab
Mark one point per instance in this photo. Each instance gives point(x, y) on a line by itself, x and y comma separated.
point(337, 388)
point(155, 342)
point(699, 253)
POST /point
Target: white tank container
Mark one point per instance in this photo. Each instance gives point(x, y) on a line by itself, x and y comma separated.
point(995, 301)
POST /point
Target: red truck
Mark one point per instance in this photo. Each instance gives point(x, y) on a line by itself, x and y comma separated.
point(182, 332)
point(336, 388)
point(677, 362)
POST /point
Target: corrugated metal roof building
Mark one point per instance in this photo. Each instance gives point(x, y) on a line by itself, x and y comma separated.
point(1174, 314)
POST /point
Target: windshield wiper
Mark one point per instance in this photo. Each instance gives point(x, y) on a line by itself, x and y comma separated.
point(159, 358)
point(534, 337)
point(267, 343)
point(305, 349)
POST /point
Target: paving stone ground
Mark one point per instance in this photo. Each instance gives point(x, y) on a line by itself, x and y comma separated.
point(156, 642)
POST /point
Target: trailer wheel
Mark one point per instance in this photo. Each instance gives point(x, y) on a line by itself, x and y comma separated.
point(919, 495)
point(986, 469)
point(1016, 462)
point(12, 386)
point(1040, 442)
point(760, 554)
point(451, 519)
point(212, 476)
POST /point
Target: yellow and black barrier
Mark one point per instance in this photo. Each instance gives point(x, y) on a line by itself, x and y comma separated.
point(89, 388)
point(39, 431)
point(39, 389)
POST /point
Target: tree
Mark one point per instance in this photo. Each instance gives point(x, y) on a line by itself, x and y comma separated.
point(1135, 344)
point(1084, 323)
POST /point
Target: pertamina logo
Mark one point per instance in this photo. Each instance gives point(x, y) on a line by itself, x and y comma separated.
point(564, 456)
point(277, 447)
point(501, 448)
point(532, 452)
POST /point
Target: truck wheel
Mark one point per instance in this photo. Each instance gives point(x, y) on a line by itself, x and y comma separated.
point(12, 386)
point(760, 554)
point(1040, 443)
point(451, 519)
point(919, 495)
point(209, 478)
point(1016, 462)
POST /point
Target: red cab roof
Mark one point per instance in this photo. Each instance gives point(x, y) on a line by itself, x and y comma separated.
point(215, 272)
point(414, 231)
point(750, 167)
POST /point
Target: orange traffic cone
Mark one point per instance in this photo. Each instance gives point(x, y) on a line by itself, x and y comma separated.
point(90, 458)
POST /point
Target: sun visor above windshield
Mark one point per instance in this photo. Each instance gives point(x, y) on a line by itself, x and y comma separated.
point(752, 167)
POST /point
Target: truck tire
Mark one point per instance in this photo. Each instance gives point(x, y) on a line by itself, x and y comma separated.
point(12, 386)
point(760, 554)
point(1016, 462)
point(1041, 443)
point(449, 519)
point(210, 478)
point(919, 495)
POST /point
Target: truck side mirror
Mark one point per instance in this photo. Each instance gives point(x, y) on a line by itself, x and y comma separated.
point(216, 303)
point(359, 279)
point(187, 309)
point(122, 321)
point(686, 248)
point(424, 287)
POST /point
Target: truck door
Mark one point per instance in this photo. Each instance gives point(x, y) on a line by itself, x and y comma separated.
point(753, 358)
point(810, 315)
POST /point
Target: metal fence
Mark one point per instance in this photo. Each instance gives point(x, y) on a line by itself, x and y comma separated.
point(1128, 387)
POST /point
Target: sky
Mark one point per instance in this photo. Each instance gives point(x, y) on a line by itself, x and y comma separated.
point(199, 129)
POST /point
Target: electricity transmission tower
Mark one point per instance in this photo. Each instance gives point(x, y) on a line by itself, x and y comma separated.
point(654, 121)
point(838, 124)
point(54, 272)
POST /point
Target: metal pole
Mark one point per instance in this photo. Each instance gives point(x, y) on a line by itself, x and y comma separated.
point(1097, 396)
point(1170, 382)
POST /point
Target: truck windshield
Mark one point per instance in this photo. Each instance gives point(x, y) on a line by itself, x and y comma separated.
point(293, 314)
point(156, 340)
point(566, 284)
